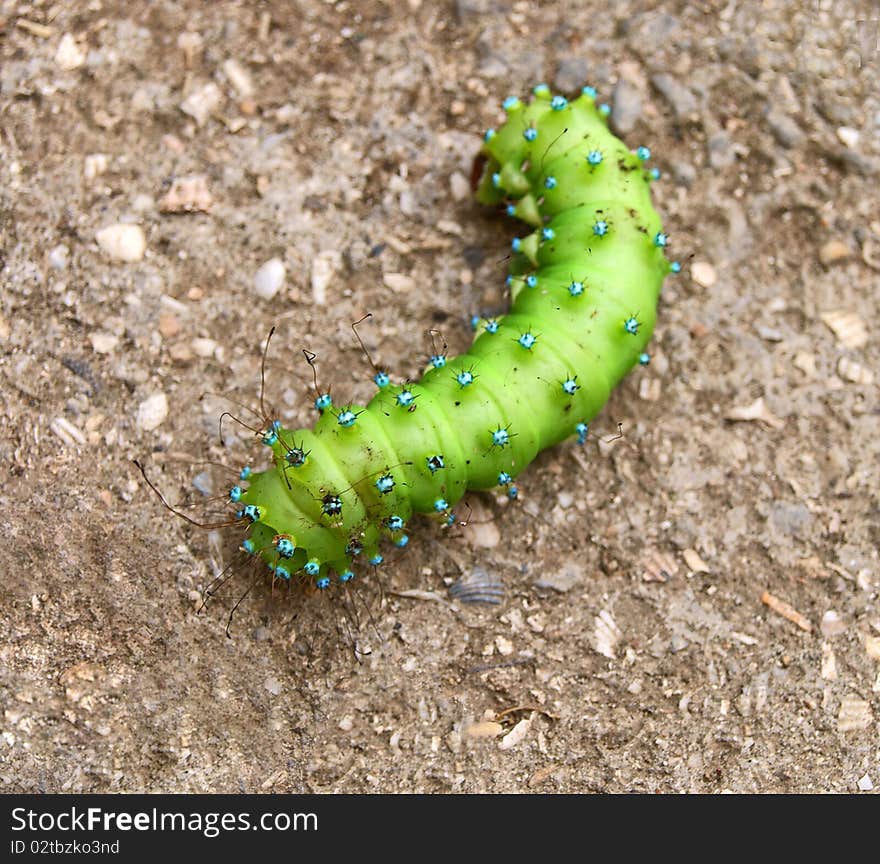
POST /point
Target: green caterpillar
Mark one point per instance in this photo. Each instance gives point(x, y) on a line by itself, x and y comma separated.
point(584, 286)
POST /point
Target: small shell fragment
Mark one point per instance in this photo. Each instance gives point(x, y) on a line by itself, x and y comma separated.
point(67, 432)
point(516, 735)
point(694, 562)
point(703, 274)
point(756, 411)
point(478, 586)
point(484, 729)
point(606, 635)
point(854, 372)
point(123, 242)
point(659, 567)
point(187, 195)
point(848, 327)
point(854, 715)
point(789, 612)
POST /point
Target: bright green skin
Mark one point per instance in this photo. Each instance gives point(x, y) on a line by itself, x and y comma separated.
point(515, 388)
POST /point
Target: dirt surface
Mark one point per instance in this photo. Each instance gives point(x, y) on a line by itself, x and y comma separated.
point(632, 649)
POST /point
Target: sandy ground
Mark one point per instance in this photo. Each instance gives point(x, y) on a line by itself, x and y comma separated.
point(633, 649)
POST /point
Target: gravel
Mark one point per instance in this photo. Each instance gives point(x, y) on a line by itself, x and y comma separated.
point(269, 279)
point(745, 461)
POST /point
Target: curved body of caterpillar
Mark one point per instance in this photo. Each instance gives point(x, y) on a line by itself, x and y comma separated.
point(584, 286)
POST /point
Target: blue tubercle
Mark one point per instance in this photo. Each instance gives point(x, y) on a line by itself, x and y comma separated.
point(323, 402)
point(631, 325)
point(500, 438)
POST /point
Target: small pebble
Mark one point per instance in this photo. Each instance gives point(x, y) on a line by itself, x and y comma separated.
point(849, 328)
point(239, 78)
point(484, 729)
point(169, 325)
point(202, 103)
point(854, 372)
point(204, 347)
point(103, 343)
point(152, 412)
point(516, 735)
point(721, 151)
point(770, 334)
point(123, 242)
point(460, 187)
point(504, 646)
point(563, 579)
point(273, 685)
point(681, 99)
point(202, 482)
point(324, 267)
point(694, 562)
point(69, 56)
point(855, 715)
point(865, 784)
point(806, 363)
point(94, 165)
point(848, 136)
point(59, 257)
point(626, 107)
point(703, 274)
point(67, 432)
point(187, 195)
point(834, 251)
point(832, 624)
point(784, 129)
point(269, 278)
point(399, 282)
